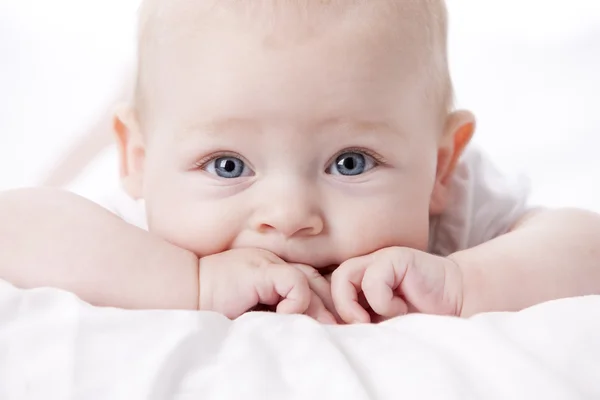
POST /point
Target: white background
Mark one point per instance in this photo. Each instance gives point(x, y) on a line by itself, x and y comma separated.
point(529, 69)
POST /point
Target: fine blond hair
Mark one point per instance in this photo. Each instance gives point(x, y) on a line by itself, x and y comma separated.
point(428, 20)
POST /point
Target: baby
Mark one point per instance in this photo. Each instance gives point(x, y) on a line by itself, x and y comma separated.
point(303, 155)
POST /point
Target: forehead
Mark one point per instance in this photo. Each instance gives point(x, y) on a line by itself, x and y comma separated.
point(160, 17)
point(214, 46)
point(417, 24)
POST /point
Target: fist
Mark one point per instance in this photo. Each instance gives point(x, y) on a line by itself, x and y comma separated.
point(239, 280)
point(393, 282)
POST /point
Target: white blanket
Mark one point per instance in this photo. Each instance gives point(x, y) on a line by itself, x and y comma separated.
point(54, 346)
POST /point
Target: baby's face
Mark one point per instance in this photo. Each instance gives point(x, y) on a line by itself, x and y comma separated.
point(318, 146)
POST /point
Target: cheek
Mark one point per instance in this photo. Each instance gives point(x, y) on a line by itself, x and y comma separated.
point(190, 227)
point(396, 219)
point(186, 219)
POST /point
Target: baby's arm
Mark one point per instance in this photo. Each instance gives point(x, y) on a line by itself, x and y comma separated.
point(51, 238)
point(547, 255)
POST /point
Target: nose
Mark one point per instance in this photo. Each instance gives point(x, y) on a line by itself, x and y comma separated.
point(290, 213)
point(291, 226)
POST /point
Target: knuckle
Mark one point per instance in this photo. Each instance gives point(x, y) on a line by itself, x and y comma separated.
point(268, 256)
point(262, 263)
point(266, 263)
point(340, 272)
point(301, 267)
point(335, 278)
point(369, 276)
point(309, 272)
point(297, 276)
point(257, 257)
point(399, 255)
point(369, 284)
point(312, 274)
point(395, 251)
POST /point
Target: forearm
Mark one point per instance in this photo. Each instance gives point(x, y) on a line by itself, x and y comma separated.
point(553, 254)
point(50, 238)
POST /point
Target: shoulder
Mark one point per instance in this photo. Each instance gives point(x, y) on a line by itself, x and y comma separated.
point(484, 203)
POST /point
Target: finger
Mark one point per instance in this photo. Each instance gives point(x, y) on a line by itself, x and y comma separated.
point(345, 288)
point(319, 285)
point(317, 310)
point(332, 306)
point(378, 285)
point(292, 288)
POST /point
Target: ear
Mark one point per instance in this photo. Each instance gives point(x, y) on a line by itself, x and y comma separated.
point(458, 131)
point(132, 151)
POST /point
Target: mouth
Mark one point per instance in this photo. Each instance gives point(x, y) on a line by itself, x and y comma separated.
point(327, 270)
point(322, 266)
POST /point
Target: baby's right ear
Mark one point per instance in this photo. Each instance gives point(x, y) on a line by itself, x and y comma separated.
point(132, 153)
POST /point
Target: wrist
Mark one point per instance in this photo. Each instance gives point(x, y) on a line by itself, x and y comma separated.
point(198, 261)
point(201, 280)
point(191, 290)
point(473, 285)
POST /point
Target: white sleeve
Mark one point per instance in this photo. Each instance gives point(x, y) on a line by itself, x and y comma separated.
point(99, 183)
point(483, 204)
point(130, 210)
point(122, 205)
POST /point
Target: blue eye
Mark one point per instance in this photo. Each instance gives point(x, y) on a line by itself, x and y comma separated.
point(227, 167)
point(352, 164)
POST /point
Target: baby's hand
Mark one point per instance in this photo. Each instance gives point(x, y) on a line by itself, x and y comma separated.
point(238, 280)
point(393, 282)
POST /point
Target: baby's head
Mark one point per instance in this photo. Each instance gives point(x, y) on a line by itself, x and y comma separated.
point(320, 130)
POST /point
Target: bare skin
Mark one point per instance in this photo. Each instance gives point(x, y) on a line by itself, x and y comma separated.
point(292, 208)
point(57, 239)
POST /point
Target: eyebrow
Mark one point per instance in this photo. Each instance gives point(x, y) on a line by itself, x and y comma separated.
point(357, 125)
point(220, 126)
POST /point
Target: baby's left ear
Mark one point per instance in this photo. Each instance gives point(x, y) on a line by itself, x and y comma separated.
point(459, 129)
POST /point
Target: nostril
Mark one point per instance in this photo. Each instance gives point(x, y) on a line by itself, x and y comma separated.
point(264, 228)
point(290, 226)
